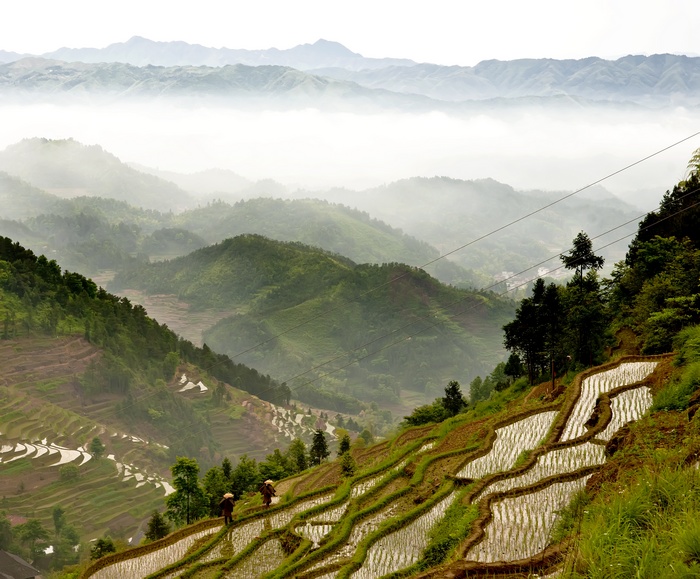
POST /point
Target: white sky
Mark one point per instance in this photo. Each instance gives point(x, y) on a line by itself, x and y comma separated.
point(460, 32)
point(311, 149)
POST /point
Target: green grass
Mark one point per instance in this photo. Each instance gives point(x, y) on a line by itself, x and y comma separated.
point(676, 396)
point(648, 529)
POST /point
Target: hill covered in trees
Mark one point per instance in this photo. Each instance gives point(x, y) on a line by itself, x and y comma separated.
point(98, 399)
point(386, 329)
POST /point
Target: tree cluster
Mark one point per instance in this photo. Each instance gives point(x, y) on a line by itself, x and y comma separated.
point(561, 326)
point(451, 404)
point(196, 497)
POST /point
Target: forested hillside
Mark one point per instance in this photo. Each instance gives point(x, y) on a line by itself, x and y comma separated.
point(91, 212)
point(486, 216)
point(138, 353)
point(386, 329)
point(98, 399)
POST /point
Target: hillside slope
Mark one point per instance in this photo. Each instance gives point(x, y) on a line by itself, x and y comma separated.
point(453, 213)
point(80, 364)
point(70, 169)
point(477, 495)
point(47, 421)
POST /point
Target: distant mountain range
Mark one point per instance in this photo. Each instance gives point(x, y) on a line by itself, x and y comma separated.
point(142, 52)
point(141, 67)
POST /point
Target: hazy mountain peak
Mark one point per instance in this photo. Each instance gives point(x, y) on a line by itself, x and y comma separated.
point(331, 48)
point(69, 168)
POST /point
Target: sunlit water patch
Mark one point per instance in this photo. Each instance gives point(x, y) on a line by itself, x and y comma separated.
point(556, 462)
point(267, 557)
point(150, 562)
point(403, 547)
point(593, 386)
point(627, 406)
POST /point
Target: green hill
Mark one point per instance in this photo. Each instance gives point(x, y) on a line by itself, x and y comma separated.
point(449, 213)
point(386, 329)
point(330, 226)
point(93, 213)
point(79, 363)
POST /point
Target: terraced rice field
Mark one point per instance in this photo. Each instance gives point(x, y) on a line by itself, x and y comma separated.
point(522, 502)
point(264, 559)
point(593, 386)
point(553, 463)
point(360, 530)
point(511, 441)
point(521, 525)
point(142, 566)
point(626, 407)
point(403, 547)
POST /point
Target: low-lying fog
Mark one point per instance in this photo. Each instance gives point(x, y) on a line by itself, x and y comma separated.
point(531, 148)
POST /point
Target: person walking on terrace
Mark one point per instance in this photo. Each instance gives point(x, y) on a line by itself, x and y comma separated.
point(267, 491)
point(226, 506)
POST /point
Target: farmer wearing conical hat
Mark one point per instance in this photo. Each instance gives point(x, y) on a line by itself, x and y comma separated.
point(226, 506)
point(267, 491)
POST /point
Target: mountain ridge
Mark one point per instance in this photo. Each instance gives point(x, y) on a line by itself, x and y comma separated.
point(657, 79)
point(142, 51)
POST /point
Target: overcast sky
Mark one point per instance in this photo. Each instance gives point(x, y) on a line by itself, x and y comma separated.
point(461, 32)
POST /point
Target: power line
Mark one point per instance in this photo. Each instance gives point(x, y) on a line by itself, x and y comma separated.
point(461, 247)
point(511, 223)
point(696, 204)
point(435, 324)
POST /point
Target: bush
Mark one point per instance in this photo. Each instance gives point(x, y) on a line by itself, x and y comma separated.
point(69, 472)
point(676, 396)
point(102, 547)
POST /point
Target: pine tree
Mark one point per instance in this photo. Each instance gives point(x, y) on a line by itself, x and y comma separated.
point(581, 257)
point(157, 527)
point(347, 465)
point(319, 448)
point(344, 445)
point(96, 448)
point(453, 401)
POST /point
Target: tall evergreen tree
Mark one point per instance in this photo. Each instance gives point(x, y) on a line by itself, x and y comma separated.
point(319, 448)
point(59, 519)
point(581, 257)
point(157, 527)
point(227, 468)
point(344, 444)
point(453, 401)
